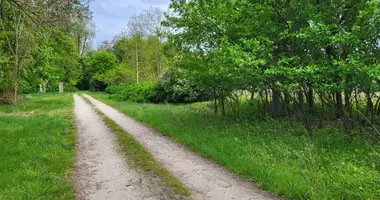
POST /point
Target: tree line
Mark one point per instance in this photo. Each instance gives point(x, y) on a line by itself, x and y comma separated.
point(316, 61)
point(40, 44)
point(135, 55)
point(299, 59)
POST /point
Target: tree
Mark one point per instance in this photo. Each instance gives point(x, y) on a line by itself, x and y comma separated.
point(94, 70)
point(284, 51)
point(27, 28)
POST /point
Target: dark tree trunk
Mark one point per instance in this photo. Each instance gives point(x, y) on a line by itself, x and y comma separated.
point(339, 105)
point(347, 102)
point(323, 112)
point(266, 102)
point(300, 99)
point(310, 99)
point(357, 105)
point(286, 104)
point(222, 101)
point(369, 109)
point(276, 104)
point(215, 102)
point(347, 105)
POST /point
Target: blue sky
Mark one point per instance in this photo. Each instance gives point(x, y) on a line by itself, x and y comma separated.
point(111, 16)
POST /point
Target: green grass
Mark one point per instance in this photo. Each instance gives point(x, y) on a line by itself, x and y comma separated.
point(275, 154)
point(138, 157)
point(37, 148)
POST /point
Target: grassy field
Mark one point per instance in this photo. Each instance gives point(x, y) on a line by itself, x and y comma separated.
point(37, 148)
point(276, 154)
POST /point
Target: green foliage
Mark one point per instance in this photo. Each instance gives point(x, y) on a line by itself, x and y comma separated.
point(94, 70)
point(149, 52)
point(284, 51)
point(172, 87)
point(54, 60)
point(119, 74)
point(132, 92)
point(37, 46)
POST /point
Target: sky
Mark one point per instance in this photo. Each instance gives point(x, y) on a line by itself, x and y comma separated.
point(111, 16)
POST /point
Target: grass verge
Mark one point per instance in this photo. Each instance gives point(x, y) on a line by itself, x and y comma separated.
point(276, 154)
point(138, 157)
point(37, 143)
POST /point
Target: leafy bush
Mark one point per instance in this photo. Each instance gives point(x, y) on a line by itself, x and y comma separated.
point(132, 92)
point(173, 88)
point(70, 88)
point(170, 88)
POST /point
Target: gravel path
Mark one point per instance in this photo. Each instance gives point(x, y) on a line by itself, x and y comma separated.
point(100, 169)
point(204, 178)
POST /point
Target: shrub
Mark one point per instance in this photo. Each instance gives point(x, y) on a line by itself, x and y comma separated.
point(132, 92)
point(173, 88)
point(170, 88)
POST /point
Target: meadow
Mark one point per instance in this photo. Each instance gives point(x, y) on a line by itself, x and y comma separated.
point(37, 144)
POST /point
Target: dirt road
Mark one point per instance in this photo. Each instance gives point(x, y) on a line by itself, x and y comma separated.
point(204, 178)
point(100, 170)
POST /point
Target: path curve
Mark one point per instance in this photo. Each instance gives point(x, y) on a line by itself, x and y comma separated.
point(205, 179)
point(100, 169)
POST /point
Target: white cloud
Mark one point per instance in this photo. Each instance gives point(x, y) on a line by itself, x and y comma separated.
point(111, 16)
point(155, 2)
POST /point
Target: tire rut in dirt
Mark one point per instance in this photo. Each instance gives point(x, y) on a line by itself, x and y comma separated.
point(100, 169)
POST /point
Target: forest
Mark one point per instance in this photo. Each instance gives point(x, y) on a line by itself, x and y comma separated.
point(285, 93)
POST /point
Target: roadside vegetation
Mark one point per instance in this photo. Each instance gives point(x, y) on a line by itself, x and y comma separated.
point(277, 154)
point(138, 157)
point(37, 148)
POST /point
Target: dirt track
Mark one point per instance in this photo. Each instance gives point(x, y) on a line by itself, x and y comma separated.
point(100, 170)
point(204, 178)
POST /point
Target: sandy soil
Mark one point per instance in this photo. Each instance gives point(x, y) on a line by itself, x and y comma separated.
point(100, 169)
point(204, 178)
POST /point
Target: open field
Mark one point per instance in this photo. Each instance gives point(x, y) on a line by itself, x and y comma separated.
point(37, 148)
point(276, 154)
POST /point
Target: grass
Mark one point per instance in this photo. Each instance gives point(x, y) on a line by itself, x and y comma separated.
point(37, 148)
point(276, 154)
point(138, 157)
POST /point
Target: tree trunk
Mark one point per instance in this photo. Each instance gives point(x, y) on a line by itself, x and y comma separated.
point(347, 105)
point(223, 105)
point(300, 99)
point(323, 112)
point(215, 102)
point(286, 104)
point(339, 105)
point(369, 106)
point(357, 105)
point(276, 107)
point(310, 100)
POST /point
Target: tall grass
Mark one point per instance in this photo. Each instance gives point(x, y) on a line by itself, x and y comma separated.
point(276, 154)
point(37, 148)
